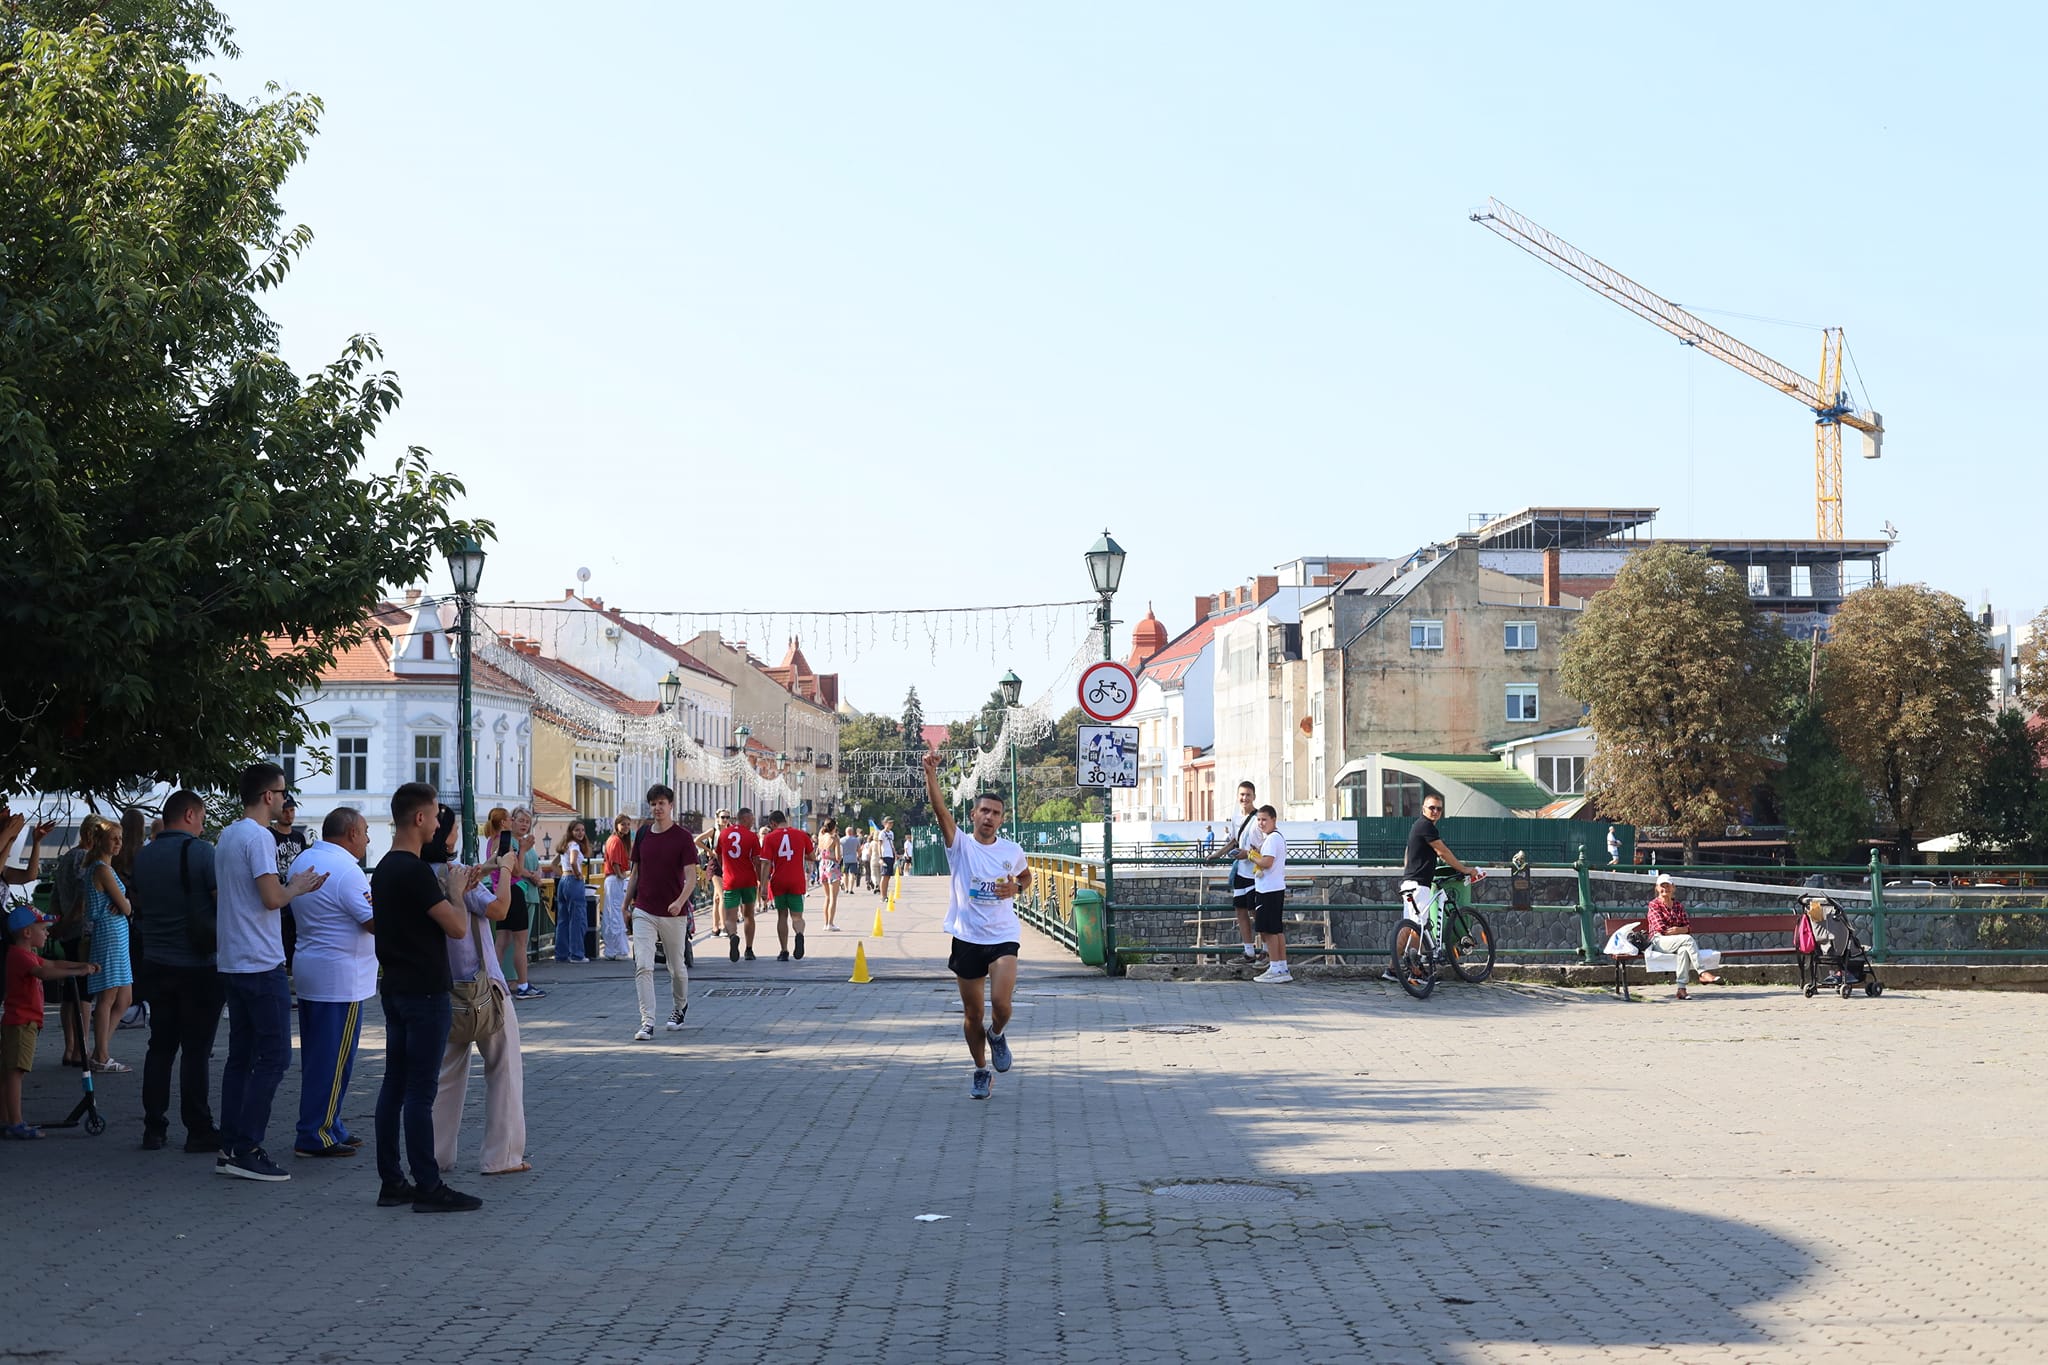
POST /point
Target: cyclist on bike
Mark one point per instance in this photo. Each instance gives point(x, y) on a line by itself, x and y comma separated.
point(1425, 847)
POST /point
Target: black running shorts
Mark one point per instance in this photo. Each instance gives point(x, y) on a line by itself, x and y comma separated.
point(1266, 909)
point(970, 961)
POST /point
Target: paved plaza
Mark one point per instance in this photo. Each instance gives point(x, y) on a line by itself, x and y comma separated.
point(1501, 1173)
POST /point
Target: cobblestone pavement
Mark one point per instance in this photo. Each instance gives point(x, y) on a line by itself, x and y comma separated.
point(1500, 1173)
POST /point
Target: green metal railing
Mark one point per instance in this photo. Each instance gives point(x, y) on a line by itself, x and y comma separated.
point(1980, 890)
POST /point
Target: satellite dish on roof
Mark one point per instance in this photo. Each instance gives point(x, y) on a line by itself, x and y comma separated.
point(583, 575)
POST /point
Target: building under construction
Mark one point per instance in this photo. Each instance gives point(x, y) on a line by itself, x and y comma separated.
point(1577, 551)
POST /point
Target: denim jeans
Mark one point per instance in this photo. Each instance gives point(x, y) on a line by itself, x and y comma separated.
point(572, 919)
point(184, 1017)
point(259, 1053)
point(415, 1036)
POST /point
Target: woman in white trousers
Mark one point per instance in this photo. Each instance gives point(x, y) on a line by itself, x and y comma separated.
point(611, 916)
point(504, 1151)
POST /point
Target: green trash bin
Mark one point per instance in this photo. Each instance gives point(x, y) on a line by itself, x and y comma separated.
point(1088, 925)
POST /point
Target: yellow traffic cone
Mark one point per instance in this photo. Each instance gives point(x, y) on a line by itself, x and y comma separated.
point(878, 922)
point(860, 975)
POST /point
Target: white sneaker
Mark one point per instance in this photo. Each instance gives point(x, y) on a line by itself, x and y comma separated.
point(646, 1034)
point(1274, 974)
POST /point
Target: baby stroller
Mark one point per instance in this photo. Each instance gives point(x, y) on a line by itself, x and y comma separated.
point(1827, 939)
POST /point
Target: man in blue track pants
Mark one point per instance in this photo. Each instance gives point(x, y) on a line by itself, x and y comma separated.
point(335, 972)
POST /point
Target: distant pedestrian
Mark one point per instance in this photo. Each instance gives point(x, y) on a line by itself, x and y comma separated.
point(572, 915)
point(251, 957)
point(413, 920)
point(888, 853)
point(664, 875)
point(849, 853)
point(334, 976)
point(711, 878)
point(21, 1024)
point(67, 892)
point(739, 855)
point(1244, 876)
point(135, 835)
point(783, 851)
point(988, 872)
point(1269, 911)
point(291, 842)
point(175, 917)
point(504, 1144)
point(618, 863)
point(525, 904)
point(1613, 846)
point(828, 870)
point(106, 912)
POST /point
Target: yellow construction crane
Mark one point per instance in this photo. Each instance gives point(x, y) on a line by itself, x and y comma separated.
point(1828, 398)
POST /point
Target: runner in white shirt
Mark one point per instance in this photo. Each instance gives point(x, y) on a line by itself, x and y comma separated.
point(981, 915)
point(1270, 894)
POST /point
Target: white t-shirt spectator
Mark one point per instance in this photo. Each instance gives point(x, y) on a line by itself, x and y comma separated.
point(336, 958)
point(888, 843)
point(1273, 877)
point(974, 913)
point(251, 937)
point(1245, 835)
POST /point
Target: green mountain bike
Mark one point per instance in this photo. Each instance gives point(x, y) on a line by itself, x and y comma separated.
point(1450, 933)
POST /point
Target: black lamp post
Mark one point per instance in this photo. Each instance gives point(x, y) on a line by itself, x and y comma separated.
point(1012, 688)
point(466, 571)
point(670, 690)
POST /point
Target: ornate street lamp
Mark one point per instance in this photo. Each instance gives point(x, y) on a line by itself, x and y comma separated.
point(670, 690)
point(1105, 565)
point(742, 734)
point(1105, 559)
point(466, 571)
point(1012, 688)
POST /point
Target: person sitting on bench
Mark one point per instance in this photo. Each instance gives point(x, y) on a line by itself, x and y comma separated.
point(1668, 925)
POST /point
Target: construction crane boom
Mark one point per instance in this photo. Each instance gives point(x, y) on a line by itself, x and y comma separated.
point(1827, 399)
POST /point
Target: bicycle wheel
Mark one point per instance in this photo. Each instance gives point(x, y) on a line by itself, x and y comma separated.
point(1411, 961)
point(1469, 938)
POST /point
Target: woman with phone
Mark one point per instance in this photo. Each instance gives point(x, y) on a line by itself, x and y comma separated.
point(572, 903)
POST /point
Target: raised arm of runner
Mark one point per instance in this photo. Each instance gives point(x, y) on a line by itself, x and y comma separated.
point(947, 828)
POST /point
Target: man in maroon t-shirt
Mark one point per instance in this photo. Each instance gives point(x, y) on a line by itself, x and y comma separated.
point(664, 872)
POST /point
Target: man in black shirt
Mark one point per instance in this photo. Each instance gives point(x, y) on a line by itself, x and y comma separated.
point(412, 921)
point(174, 914)
point(1425, 846)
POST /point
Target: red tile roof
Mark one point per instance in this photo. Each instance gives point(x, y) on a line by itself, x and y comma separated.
point(370, 661)
point(544, 804)
point(1170, 665)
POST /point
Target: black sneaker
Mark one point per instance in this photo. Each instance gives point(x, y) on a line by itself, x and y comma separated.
point(203, 1142)
point(799, 948)
point(152, 1142)
point(750, 954)
point(255, 1166)
point(391, 1196)
point(734, 954)
point(782, 956)
point(338, 1149)
point(444, 1199)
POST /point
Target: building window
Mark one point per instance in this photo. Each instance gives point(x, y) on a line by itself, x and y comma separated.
point(286, 756)
point(1521, 635)
point(1425, 635)
point(426, 760)
point(1521, 701)
point(352, 763)
point(1401, 794)
point(498, 769)
point(1802, 580)
point(1759, 581)
point(1565, 776)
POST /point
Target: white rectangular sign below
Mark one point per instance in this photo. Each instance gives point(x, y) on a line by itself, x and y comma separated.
point(1109, 756)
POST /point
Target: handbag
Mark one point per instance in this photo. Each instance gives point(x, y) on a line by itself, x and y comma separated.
point(477, 1009)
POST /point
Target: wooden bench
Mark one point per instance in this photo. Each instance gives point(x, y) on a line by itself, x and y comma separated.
point(1701, 926)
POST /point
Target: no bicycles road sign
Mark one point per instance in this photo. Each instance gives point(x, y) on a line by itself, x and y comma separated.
point(1108, 691)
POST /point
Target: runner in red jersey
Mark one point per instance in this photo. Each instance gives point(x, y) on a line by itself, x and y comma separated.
point(784, 849)
point(739, 849)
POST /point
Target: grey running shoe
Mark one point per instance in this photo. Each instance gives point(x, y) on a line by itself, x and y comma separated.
point(984, 1082)
point(999, 1051)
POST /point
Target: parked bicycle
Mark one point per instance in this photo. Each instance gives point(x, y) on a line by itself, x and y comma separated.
point(1449, 933)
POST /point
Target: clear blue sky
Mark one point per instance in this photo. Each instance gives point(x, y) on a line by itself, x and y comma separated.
point(863, 305)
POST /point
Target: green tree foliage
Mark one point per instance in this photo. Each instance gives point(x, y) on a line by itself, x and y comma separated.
point(2032, 658)
point(177, 498)
point(1685, 681)
point(1903, 683)
point(2008, 805)
point(1823, 798)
